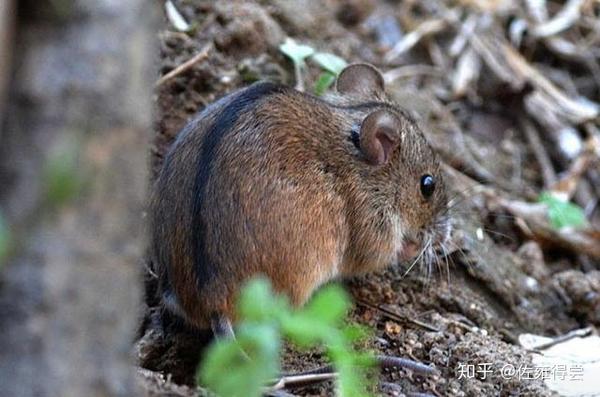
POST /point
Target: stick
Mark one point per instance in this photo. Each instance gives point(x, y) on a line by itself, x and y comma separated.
point(578, 333)
point(382, 361)
point(303, 379)
point(327, 372)
point(395, 316)
point(184, 67)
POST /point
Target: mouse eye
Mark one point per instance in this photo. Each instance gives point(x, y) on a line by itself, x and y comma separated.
point(427, 185)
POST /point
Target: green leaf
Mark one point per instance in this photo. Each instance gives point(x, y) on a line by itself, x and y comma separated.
point(352, 368)
point(325, 80)
point(352, 381)
point(561, 213)
point(329, 305)
point(303, 330)
point(258, 302)
point(330, 62)
point(366, 359)
point(4, 240)
point(296, 52)
point(355, 333)
point(229, 374)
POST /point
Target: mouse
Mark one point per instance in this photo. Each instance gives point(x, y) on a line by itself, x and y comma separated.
point(270, 181)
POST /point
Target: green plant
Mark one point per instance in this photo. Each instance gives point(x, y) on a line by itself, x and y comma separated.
point(325, 80)
point(298, 54)
point(331, 64)
point(562, 213)
point(265, 319)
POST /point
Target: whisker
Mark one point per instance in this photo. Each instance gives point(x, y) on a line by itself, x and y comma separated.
point(414, 262)
point(458, 248)
point(443, 247)
point(500, 234)
point(448, 254)
point(428, 261)
point(435, 260)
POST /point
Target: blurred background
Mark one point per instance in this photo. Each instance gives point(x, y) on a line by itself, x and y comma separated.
point(75, 107)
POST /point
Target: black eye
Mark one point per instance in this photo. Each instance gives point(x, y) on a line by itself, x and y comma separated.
point(427, 185)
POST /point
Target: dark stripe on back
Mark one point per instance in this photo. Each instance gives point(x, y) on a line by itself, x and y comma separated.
point(224, 121)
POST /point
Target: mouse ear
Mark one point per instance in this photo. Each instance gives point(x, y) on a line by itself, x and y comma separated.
point(360, 78)
point(379, 136)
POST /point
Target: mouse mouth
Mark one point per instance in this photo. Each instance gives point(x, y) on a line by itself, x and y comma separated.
point(426, 244)
point(410, 249)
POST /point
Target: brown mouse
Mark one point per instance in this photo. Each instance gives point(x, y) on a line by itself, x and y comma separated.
point(275, 182)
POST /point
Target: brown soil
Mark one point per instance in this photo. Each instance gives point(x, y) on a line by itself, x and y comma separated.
point(497, 285)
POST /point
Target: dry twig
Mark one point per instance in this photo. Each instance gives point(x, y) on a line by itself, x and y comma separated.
point(184, 67)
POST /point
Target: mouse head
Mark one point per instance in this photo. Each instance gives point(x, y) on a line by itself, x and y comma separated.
point(397, 174)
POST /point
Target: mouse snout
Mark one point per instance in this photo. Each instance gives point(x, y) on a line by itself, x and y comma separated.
point(433, 239)
point(413, 245)
point(410, 249)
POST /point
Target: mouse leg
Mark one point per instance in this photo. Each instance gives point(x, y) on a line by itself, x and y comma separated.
point(223, 330)
point(221, 327)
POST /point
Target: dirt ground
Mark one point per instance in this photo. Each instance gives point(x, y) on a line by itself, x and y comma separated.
point(498, 282)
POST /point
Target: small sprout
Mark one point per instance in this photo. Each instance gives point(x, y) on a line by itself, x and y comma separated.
point(330, 62)
point(325, 80)
point(296, 52)
point(563, 213)
point(4, 240)
point(333, 65)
